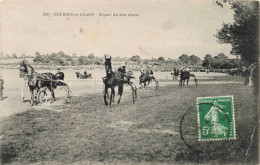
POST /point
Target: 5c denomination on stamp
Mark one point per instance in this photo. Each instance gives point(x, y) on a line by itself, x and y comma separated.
point(216, 118)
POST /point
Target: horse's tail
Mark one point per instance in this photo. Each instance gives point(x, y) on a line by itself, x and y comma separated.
point(120, 89)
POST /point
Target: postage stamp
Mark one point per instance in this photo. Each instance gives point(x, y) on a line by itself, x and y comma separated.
point(216, 118)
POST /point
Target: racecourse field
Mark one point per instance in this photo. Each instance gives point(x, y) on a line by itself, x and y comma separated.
point(157, 129)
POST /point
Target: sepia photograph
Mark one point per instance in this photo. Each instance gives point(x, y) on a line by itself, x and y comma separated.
point(129, 82)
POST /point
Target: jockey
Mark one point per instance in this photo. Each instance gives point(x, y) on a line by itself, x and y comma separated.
point(149, 72)
point(123, 72)
point(122, 69)
point(142, 74)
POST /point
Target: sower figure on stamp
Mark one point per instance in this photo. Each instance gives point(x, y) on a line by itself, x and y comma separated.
point(213, 116)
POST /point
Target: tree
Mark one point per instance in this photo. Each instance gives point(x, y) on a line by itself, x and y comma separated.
point(8, 56)
point(145, 61)
point(91, 56)
point(23, 55)
point(221, 56)
point(169, 60)
point(184, 58)
point(194, 60)
point(135, 58)
point(207, 62)
point(61, 53)
point(38, 58)
point(83, 60)
point(243, 33)
point(161, 59)
point(14, 56)
point(74, 55)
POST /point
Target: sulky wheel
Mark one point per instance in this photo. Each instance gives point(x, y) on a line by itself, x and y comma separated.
point(42, 97)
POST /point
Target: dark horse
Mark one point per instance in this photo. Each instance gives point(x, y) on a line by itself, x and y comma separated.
point(39, 82)
point(185, 75)
point(80, 76)
point(147, 78)
point(113, 79)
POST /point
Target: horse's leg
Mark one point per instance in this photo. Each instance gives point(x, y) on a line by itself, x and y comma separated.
point(112, 95)
point(181, 82)
point(140, 84)
point(67, 88)
point(37, 93)
point(105, 95)
point(39, 85)
point(120, 92)
point(187, 81)
point(32, 94)
point(52, 92)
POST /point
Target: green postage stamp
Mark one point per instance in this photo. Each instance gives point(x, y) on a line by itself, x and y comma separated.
point(216, 118)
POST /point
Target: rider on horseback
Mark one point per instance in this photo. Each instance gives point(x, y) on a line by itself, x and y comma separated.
point(142, 74)
point(126, 76)
point(149, 72)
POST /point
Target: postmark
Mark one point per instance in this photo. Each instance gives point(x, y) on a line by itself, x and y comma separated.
point(216, 118)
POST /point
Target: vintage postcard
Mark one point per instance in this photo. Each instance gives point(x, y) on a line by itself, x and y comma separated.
point(129, 82)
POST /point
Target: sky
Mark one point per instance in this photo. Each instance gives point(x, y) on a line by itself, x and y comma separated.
point(165, 28)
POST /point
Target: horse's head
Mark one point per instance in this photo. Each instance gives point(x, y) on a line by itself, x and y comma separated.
point(108, 65)
point(23, 69)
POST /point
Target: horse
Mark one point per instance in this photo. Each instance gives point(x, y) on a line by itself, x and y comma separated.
point(185, 75)
point(117, 78)
point(80, 76)
point(112, 80)
point(147, 77)
point(37, 81)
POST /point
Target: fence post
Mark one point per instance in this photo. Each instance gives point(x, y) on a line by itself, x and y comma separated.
point(69, 84)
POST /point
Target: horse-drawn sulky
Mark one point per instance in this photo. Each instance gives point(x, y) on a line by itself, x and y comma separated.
point(38, 83)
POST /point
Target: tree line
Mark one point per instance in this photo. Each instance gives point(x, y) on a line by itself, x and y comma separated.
point(220, 61)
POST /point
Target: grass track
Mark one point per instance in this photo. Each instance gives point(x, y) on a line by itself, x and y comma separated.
point(85, 131)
